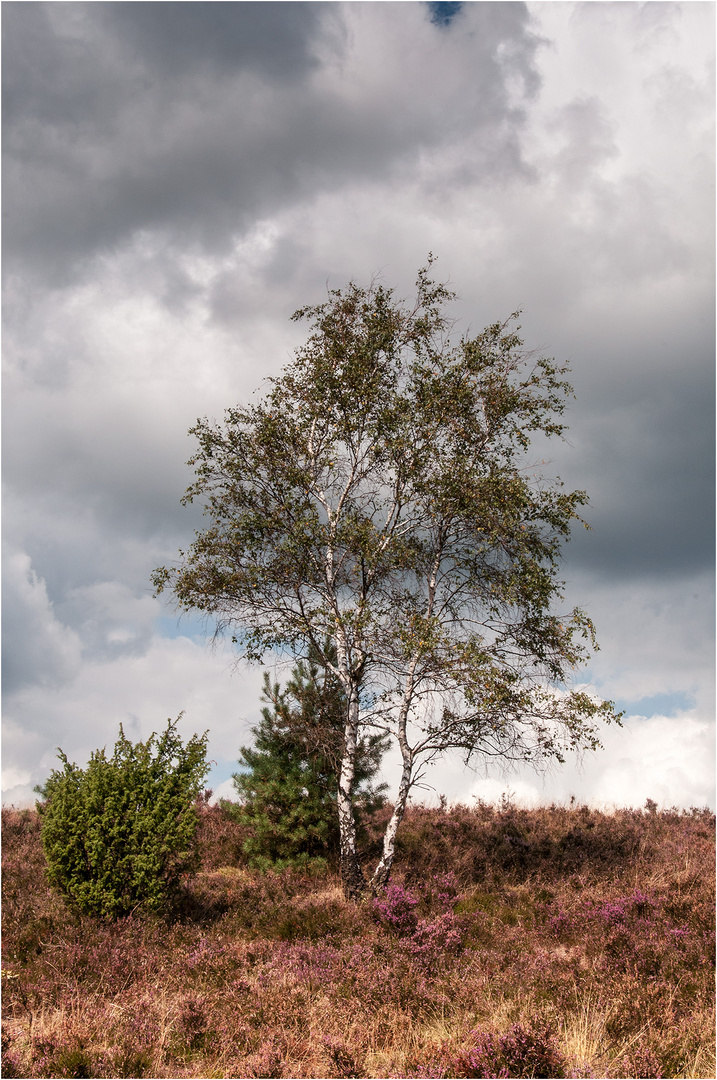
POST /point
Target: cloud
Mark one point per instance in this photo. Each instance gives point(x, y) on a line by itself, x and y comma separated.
point(111, 133)
point(278, 42)
point(139, 690)
point(180, 178)
point(40, 649)
point(666, 759)
point(654, 517)
point(110, 619)
point(655, 640)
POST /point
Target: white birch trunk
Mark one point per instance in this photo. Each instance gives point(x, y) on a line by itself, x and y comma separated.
point(351, 874)
point(383, 870)
point(352, 878)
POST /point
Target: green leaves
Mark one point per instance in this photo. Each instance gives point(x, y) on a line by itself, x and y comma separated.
point(380, 498)
point(120, 833)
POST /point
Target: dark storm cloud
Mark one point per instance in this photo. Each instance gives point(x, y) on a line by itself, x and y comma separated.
point(275, 39)
point(642, 443)
point(66, 62)
point(191, 119)
point(115, 115)
point(182, 123)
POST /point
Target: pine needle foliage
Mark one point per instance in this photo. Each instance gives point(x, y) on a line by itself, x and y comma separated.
point(287, 786)
point(121, 833)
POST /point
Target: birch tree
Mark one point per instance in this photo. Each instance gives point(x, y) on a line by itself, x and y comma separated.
point(380, 497)
point(289, 777)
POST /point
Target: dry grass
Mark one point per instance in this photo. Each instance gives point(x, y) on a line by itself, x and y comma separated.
point(553, 942)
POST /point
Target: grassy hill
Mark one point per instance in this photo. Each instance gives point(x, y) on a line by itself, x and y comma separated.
point(511, 943)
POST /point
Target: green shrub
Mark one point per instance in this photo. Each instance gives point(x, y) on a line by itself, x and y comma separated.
point(122, 832)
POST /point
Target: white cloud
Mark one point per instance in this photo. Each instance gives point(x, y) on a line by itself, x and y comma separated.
point(138, 691)
point(40, 648)
point(667, 759)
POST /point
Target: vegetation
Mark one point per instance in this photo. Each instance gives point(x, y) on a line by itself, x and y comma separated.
point(380, 497)
point(287, 788)
point(121, 833)
point(551, 942)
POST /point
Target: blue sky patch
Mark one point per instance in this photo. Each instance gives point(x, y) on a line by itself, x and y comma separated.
point(442, 14)
point(186, 625)
point(656, 705)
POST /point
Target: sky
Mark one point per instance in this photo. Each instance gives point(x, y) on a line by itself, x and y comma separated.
point(178, 178)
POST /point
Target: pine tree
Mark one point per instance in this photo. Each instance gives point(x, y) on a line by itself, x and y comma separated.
point(382, 495)
point(288, 791)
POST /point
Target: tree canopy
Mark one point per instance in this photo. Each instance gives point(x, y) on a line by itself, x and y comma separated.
point(380, 497)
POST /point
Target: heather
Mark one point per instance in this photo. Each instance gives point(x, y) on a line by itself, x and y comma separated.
point(558, 942)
